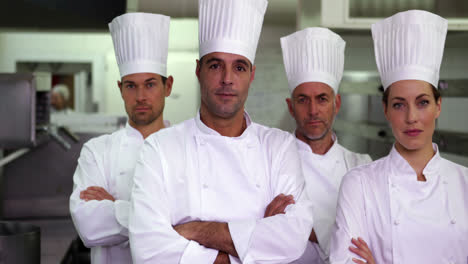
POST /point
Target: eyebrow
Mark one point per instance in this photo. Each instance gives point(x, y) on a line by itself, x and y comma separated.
point(322, 94)
point(241, 61)
point(151, 79)
point(403, 99)
point(213, 60)
point(147, 80)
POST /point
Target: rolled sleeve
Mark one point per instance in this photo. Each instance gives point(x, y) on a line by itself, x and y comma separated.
point(195, 253)
point(280, 238)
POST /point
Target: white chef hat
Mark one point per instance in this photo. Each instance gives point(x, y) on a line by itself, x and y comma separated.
point(409, 46)
point(140, 42)
point(62, 89)
point(313, 55)
point(231, 26)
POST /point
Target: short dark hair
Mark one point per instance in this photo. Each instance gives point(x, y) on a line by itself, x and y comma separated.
point(435, 92)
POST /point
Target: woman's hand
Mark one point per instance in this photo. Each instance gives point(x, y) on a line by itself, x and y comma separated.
point(361, 249)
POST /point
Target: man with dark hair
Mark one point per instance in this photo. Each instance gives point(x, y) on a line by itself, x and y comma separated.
point(99, 204)
point(204, 190)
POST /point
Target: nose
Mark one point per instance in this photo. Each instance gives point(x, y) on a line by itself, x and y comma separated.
point(313, 109)
point(140, 94)
point(411, 114)
point(227, 76)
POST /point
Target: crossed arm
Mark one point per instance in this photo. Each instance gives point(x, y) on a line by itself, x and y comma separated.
point(216, 235)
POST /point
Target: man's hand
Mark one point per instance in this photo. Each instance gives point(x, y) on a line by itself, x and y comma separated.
point(361, 250)
point(222, 258)
point(95, 193)
point(213, 235)
point(278, 205)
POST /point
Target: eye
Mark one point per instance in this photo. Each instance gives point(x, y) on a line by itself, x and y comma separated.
point(240, 68)
point(323, 99)
point(150, 85)
point(130, 86)
point(424, 102)
point(302, 100)
point(214, 66)
point(397, 105)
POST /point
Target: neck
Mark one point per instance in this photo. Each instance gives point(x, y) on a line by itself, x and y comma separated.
point(417, 159)
point(146, 130)
point(318, 146)
point(228, 127)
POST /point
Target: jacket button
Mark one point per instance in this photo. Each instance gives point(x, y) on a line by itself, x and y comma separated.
point(396, 222)
point(453, 221)
point(205, 186)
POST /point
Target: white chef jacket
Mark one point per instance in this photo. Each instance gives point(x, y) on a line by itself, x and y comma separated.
point(401, 219)
point(190, 172)
point(323, 175)
point(107, 161)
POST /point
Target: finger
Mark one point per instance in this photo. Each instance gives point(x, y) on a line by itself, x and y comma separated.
point(279, 206)
point(359, 252)
point(355, 260)
point(96, 188)
point(364, 245)
point(361, 244)
point(282, 207)
point(273, 204)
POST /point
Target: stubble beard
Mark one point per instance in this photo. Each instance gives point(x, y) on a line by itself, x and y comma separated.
point(152, 116)
point(223, 110)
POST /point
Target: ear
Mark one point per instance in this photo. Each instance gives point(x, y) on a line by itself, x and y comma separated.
point(197, 70)
point(168, 85)
point(252, 76)
point(438, 106)
point(337, 103)
point(290, 107)
point(119, 84)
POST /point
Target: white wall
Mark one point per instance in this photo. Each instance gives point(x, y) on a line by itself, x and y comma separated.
point(97, 49)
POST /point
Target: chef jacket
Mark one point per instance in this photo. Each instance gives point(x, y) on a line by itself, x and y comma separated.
point(107, 161)
point(401, 219)
point(323, 175)
point(190, 172)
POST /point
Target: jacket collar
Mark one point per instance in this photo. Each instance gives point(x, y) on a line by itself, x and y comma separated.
point(132, 132)
point(204, 129)
point(401, 168)
point(333, 153)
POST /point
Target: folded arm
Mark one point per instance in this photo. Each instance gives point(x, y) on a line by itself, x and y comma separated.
point(92, 209)
point(153, 238)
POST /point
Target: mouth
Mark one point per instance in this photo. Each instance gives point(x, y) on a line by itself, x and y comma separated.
point(413, 132)
point(314, 122)
point(142, 109)
point(225, 95)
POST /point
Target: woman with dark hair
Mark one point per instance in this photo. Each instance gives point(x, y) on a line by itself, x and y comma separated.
point(412, 205)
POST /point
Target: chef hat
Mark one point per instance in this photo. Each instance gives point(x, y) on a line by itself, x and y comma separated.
point(231, 26)
point(409, 46)
point(140, 42)
point(313, 55)
point(62, 89)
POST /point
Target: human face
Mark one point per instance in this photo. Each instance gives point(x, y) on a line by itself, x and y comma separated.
point(412, 111)
point(314, 106)
point(143, 95)
point(224, 79)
